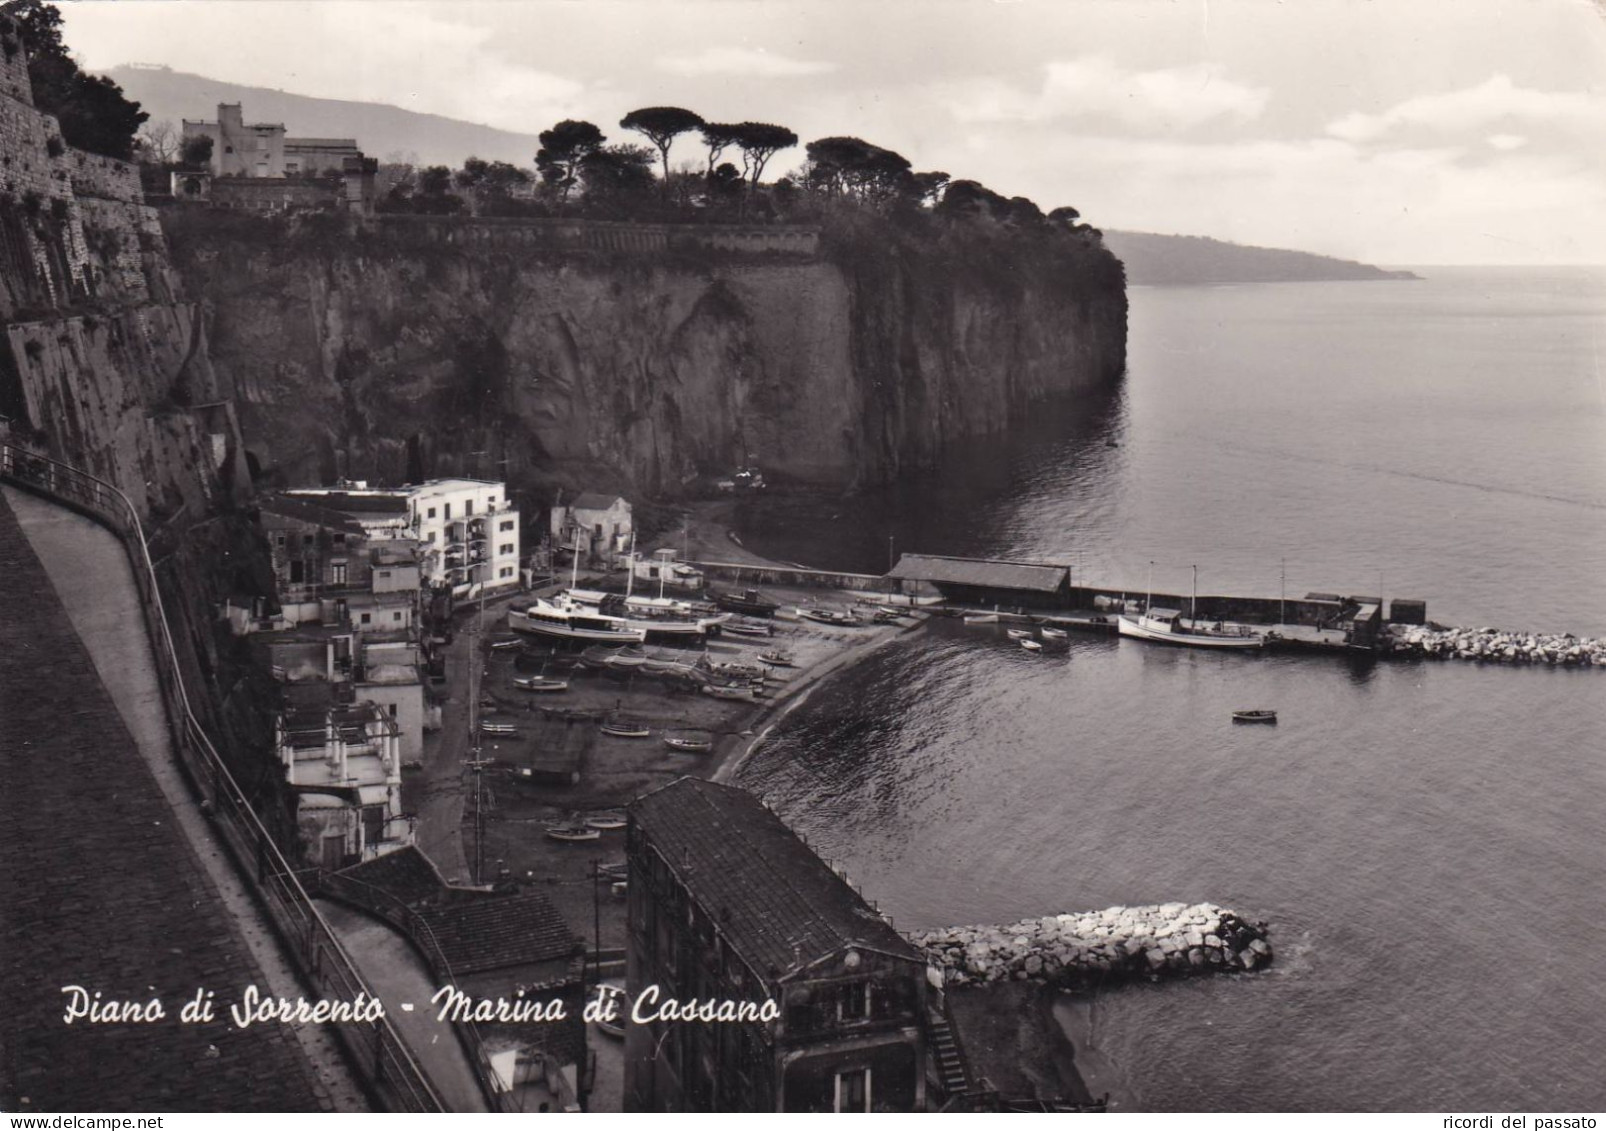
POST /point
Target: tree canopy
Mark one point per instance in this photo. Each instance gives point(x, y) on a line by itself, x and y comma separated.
point(92, 110)
point(661, 125)
point(563, 147)
point(759, 141)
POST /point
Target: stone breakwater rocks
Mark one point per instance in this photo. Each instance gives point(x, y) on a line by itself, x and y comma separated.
point(1498, 647)
point(1118, 942)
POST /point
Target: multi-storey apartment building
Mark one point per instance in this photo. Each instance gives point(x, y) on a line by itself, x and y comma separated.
point(726, 904)
point(467, 529)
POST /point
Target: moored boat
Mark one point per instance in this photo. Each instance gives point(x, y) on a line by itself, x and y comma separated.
point(733, 691)
point(778, 657)
point(1031, 645)
point(749, 602)
point(1258, 716)
point(499, 730)
point(1054, 634)
point(843, 617)
point(689, 741)
point(981, 618)
point(605, 822)
point(624, 726)
point(537, 683)
point(572, 834)
point(1164, 626)
point(743, 626)
point(565, 619)
point(1018, 633)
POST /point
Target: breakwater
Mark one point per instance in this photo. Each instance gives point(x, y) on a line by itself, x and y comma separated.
point(1168, 939)
point(1495, 646)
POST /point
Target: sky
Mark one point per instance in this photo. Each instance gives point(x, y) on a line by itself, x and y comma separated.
point(1392, 131)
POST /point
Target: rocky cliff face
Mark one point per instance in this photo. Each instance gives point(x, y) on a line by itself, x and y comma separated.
point(392, 351)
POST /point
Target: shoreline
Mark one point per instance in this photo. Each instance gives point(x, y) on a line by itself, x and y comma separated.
point(1076, 1017)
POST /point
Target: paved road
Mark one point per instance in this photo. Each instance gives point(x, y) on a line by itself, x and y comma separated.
point(397, 975)
point(110, 878)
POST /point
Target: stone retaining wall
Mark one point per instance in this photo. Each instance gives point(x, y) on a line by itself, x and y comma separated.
point(1170, 939)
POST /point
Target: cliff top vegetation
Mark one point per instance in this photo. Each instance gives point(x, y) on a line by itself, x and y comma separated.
point(93, 112)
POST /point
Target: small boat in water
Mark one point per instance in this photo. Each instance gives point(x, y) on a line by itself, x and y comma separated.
point(536, 683)
point(1261, 716)
point(981, 618)
point(1054, 634)
point(572, 834)
point(605, 822)
point(1018, 633)
point(1031, 645)
point(689, 741)
point(624, 726)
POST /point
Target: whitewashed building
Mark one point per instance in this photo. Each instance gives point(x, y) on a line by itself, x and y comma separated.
point(467, 529)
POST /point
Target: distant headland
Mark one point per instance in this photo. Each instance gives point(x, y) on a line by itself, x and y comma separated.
point(1156, 260)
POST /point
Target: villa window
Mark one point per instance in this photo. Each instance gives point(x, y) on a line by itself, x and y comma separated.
point(367, 618)
point(506, 526)
point(431, 512)
point(447, 507)
point(505, 548)
point(853, 1002)
point(853, 1090)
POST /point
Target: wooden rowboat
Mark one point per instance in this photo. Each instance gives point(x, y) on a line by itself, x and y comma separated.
point(1261, 716)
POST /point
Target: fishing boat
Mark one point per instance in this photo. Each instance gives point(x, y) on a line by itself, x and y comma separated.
point(655, 617)
point(624, 726)
point(742, 626)
point(689, 741)
point(1260, 716)
point(749, 602)
point(778, 658)
point(845, 618)
point(572, 834)
point(1054, 634)
point(1031, 645)
point(981, 618)
point(733, 691)
point(605, 822)
point(1018, 633)
point(1165, 626)
point(537, 683)
point(728, 669)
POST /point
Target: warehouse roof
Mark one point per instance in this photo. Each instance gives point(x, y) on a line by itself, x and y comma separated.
point(779, 905)
point(981, 572)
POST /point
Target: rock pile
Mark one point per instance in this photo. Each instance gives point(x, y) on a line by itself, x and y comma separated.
point(1118, 942)
point(1500, 647)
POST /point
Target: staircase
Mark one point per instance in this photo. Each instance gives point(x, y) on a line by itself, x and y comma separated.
point(946, 1055)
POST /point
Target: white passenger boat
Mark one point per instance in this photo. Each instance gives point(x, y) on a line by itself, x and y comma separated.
point(1164, 626)
point(564, 619)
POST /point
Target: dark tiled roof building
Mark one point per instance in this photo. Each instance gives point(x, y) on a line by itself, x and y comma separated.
point(728, 904)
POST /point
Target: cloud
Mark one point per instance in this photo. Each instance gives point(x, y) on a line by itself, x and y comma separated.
point(1158, 101)
point(741, 61)
point(1473, 109)
point(1506, 141)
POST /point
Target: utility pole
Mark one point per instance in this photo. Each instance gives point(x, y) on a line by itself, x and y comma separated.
point(476, 761)
point(891, 561)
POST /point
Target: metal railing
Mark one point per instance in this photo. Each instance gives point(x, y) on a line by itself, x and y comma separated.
point(394, 910)
point(375, 1051)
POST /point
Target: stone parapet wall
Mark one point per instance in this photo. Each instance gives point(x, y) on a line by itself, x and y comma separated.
point(106, 177)
point(14, 82)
